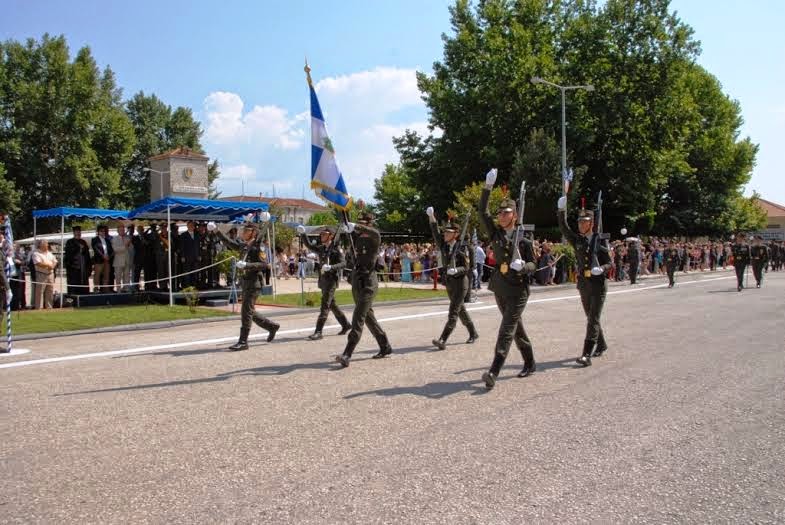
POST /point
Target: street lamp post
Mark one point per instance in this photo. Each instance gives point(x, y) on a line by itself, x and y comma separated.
point(563, 89)
point(160, 178)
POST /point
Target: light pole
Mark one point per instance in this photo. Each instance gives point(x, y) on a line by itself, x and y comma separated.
point(563, 89)
point(160, 178)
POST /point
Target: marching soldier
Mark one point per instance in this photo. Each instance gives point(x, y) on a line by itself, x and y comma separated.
point(365, 284)
point(672, 260)
point(332, 263)
point(760, 259)
point(593, 263)
point(458, 258)
point(509, 282)
point(253, 261)
point(741, 258)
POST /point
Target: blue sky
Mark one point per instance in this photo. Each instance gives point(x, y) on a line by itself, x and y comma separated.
point(238, 65)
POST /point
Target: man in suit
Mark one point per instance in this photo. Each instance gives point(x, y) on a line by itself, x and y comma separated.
point(102, 259)
point(77, 263)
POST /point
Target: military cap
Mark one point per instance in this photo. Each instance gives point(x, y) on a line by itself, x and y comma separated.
point(507, 205)
point(326, 229)
point(451, 226)
point(76, 227)
point(585, 215)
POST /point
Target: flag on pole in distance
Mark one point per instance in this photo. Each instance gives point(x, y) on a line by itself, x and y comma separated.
point(326, 178)
point(567, 179)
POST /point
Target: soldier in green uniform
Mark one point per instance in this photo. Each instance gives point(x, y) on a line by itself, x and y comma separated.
point(741, 258)
point(593, 264)
point(458, 259)
point(634, 258)
point(672, 260)
point(253, 261)
point(509, 281)
point(366, 240)
point(331, 264)
point(760, 259)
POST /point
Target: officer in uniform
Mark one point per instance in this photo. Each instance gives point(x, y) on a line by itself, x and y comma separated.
point(593, 264)
point(332, 263)
point(672, 260)
point(774, 255)
point(205, 257)
point(509, 281)
point(252, 261)
point(458, 259)
point(741, 258)
point(760, 259)
point(365, 284)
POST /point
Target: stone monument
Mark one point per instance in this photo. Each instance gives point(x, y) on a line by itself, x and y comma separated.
point(181, 172)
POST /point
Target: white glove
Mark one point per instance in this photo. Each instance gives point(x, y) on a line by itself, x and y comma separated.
point(301, 229)
point(429, 211)
point(452, 271)
point(474, 273)
point(211, 226)
point(326, 267)
point(517, 265)
point(562, 203)
point(264, 216)
point(597, 271)
point(490, 178)
point(241, 264)
point(348, 227)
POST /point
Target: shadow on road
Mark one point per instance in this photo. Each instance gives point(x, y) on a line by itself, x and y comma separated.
point(436, 390)
point(541, 366)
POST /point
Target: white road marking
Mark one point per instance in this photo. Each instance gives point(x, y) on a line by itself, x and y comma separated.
point(15, 351)
point(222, 340)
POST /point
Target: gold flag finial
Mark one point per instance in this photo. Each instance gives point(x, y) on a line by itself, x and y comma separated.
point(307, 70)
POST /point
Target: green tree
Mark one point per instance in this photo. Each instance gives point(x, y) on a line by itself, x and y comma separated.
point(64, 137)
point(322, 218)
point(465, 201)
point(9, 197)
point(398, 206)
point(657, 135)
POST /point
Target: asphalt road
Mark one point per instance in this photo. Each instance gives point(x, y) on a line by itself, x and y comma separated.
point(682, 421)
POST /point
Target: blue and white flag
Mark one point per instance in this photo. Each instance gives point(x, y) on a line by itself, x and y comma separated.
point(326, 178)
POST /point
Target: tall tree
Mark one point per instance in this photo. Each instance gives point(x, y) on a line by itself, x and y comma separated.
point(655, 124)
point(398, 203)
point(64, 137)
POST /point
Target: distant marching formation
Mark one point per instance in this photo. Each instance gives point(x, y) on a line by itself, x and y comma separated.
point(509, 281)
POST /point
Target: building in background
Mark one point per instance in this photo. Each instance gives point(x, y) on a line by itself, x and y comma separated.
point(291, 210)
point(775, 224)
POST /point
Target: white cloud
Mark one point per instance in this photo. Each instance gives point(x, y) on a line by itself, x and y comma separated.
point(264, 146)
point(262, 126)
point(238, 172)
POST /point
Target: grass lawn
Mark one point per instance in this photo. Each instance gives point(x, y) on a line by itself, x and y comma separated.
point(42, 321)
point(345, 296)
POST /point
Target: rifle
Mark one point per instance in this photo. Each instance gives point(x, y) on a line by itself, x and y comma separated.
point(598, 225)
point(519, 226)
point(460, 239)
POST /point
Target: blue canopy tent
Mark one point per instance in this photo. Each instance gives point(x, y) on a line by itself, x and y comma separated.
point(88, 213)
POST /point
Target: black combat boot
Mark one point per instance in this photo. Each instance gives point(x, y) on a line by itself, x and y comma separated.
point(585, 359)
point(473, 335)
point(242, 343)
point(490, 376)
point(272, 332)
point(439, 343)
point(317, 334)
point(529, 366)
point(601, 347)
point(343, 359)
point(384, 352)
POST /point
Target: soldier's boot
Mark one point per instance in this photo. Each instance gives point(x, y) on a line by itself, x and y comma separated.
point(529, 365)
point(473, 335)
point(345, 327)
point(317, 334)
point(441, 343)
point(601, 347)
point(384, 352)
point(585, 359)
point(266, 324)
point(242, 343)
point(344, 358)
point(490, 376)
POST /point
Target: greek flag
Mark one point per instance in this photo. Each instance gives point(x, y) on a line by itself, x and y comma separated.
point(326, 178)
